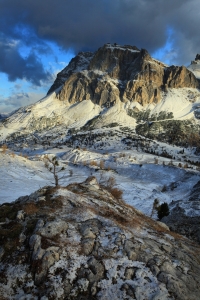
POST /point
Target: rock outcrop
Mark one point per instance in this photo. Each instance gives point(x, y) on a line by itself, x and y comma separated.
point(119, 73)
point(79, 242)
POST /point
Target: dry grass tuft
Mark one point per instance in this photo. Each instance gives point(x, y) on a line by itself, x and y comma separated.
point(30, 208)
point(101, 164)
point(93, 163)
point(12, 154)
point(117, 193)
point(4, 148)
point(46, 242)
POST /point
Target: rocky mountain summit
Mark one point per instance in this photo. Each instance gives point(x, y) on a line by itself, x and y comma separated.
point(117, 73)
point(81, 242)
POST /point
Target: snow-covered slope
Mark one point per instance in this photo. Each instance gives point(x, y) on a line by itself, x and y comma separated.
point(50, 112)
point(141, 176)
point(181, 102)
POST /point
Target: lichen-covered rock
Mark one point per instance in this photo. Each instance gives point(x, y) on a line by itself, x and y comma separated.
point(51, 229)
point(82, 243)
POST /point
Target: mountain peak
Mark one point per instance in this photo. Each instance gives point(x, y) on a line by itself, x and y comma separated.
point(116, 73)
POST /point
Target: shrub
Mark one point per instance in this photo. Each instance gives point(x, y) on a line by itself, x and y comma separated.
point(111, 182)
point(30, 208)
point(108, 168)
point(101, 164)
point(164, 189)
point(13, 154)
point(93, 163)
point(4, 148)
point(163, 210)
point(117, 193)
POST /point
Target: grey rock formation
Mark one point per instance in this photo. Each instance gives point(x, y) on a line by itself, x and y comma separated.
point(82, 243)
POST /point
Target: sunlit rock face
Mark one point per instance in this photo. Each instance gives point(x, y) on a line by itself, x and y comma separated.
point(178, 77)
point(119, 73)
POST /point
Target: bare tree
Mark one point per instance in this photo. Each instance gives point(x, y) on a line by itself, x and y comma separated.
point(52, 165)
point(155, 207)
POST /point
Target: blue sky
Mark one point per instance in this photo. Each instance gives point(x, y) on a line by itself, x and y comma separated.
point(39, 38)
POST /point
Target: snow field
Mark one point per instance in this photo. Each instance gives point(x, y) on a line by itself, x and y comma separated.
point(136, 174)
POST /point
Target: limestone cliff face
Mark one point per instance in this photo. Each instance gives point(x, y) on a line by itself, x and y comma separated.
point(119, 73)
point(177, 77)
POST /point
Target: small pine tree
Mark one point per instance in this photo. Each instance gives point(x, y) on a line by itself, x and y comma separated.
point(163, 210)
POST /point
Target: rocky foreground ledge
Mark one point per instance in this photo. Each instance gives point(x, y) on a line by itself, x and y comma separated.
point(79, 242)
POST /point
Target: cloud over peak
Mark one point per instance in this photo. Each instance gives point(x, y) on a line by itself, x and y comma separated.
point(88, 24)
point(28, 29)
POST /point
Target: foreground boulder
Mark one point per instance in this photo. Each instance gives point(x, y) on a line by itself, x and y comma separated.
point(79, 242)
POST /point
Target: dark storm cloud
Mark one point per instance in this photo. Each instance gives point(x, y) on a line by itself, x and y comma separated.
point(18, 67)
point(88, 24)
